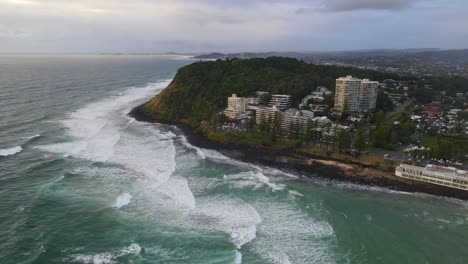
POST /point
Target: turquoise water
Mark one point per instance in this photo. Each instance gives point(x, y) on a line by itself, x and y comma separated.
point(80, 182)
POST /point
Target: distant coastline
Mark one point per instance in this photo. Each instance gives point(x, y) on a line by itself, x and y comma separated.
point(306, 164)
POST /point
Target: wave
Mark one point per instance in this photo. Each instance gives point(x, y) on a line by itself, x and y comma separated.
point(232, 216)
point(32, 137)
point(184, 142)
point(10, 151)
point(290, 235)
point(253, 179)
point(122, 200)
point(106, 257)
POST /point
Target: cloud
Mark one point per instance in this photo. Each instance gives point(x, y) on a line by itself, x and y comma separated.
point(228, 26)
point(348, 5)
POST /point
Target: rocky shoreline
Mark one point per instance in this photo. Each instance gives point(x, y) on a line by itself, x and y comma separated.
point(306, 164)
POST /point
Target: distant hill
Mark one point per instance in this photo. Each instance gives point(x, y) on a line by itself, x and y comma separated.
point(303, 55)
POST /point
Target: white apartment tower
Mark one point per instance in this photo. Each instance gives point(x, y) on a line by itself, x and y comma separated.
point(355, 95)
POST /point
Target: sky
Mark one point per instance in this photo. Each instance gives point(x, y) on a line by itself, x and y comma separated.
point(90, 26)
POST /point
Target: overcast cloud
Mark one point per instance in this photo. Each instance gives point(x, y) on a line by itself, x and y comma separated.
point(228, 26)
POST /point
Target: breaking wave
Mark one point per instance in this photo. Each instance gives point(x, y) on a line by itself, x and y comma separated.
point(10, 151)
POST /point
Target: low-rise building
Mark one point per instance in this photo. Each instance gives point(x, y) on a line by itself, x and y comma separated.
point(445, 176)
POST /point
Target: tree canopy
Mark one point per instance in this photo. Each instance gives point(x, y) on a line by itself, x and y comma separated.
point(200, 90)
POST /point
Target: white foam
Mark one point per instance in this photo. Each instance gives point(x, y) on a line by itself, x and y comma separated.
point(122, 200)
point(107, 257)
point(232, 216)
point(296, 193)
point(32, 137)
point(289, 235)
point(178, 192)
point(185, 143)
point(10, 151)
point(103, 132)
point(253, 179)
point(213, 154)
point(238, 259)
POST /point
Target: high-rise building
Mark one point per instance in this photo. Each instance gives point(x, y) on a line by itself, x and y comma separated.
point(355, 95)
point(236, 107)
point(281, 101)
point(347, 94)
point(368, 95)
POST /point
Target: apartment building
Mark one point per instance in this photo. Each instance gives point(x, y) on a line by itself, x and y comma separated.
point(355, 95)
point(295, 119)
point(237, 106)
point(281, 101)
point(267, 115)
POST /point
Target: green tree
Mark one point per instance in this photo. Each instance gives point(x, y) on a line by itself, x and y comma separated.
point(361, 138)
point(344, 140)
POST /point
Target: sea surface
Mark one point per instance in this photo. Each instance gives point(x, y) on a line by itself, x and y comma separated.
point(81, 182)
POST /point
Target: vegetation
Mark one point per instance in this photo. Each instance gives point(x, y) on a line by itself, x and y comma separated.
point(446, 147)
point(199, 91)
point(393, 130)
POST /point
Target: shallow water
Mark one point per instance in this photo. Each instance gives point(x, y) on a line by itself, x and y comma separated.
point(81, 182)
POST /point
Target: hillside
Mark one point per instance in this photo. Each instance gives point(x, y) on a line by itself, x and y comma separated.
point(200, 90)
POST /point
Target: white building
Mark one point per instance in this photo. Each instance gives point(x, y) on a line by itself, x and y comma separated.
point(293, 118)
point(445, 176)
point(236, 107)
point(267, 115)
point(281, 101)
point(355, 95)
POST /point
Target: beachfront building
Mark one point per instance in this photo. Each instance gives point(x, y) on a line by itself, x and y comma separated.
point(297, 120)
point(281, 101)
point(267, 115)
point(355, 95)
point(445, 176)
point(237, 107)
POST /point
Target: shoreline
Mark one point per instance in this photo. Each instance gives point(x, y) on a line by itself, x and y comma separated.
point(307, 165)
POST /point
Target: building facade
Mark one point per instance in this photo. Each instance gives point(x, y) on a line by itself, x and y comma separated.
point(267, 115)
point(237, 106)
point(445, 176)
point(355, 95)
point(281, 101)
point(296, 120)
point(368, 95)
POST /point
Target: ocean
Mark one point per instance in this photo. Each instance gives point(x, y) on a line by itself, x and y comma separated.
point(82, 182)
